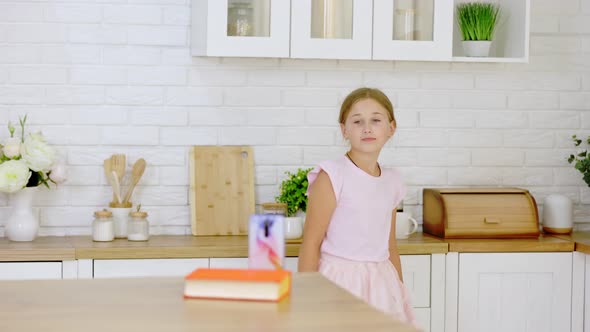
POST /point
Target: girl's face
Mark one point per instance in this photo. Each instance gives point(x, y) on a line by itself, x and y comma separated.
point(367, 126)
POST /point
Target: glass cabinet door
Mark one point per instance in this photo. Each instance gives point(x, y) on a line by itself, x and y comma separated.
point(413, 30)
point(331, 29)
point(251, 28)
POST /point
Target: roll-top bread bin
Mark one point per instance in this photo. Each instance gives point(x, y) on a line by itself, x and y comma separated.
point(461, 213)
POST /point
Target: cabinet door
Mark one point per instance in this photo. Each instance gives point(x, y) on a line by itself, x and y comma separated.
point(416, 271)
point(229, 263)
point(291, 263)
point(413, 30)
point(118, 268)
point(30, 270)
point(587, 293)
point(515, 292)
point(331, 29)
point(423, 318)
point(254, 28)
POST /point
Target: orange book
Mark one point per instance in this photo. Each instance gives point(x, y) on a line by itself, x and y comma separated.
point(238, 284)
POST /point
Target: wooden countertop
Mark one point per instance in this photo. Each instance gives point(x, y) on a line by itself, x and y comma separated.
point(42, 249)
point(581, 239)
point(543, 243)
point(421, 243)
point(156, 304)
point(186, 246)
point(168, 246)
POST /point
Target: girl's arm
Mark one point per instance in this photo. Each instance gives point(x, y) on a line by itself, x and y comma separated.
point(393, 252)
point(320, 206)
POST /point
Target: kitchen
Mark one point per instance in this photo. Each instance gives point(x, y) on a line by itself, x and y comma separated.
point(119, 77)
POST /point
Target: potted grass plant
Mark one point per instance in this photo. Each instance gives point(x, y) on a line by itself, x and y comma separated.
point(477, 22)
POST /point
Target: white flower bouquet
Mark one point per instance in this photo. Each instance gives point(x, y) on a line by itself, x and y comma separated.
point(28, 161)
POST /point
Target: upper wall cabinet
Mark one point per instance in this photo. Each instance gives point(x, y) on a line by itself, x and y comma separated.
point(245, 28)
point(413, 30)
point(331, 29)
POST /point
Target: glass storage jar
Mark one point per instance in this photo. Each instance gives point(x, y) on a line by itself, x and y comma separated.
point(240, 19)
point(103, 228)
point(138, 228)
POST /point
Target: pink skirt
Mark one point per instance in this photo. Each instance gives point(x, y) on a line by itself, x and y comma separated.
point(377, 283)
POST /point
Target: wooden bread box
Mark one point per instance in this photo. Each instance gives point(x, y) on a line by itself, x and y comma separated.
point(461, 213)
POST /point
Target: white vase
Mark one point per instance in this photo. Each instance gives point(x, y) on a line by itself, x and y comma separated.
point(22, 224)
point(477, 48)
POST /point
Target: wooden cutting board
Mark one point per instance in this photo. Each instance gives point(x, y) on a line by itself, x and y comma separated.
point(221, 190)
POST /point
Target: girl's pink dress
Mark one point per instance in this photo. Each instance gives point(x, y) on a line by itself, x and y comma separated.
point(355, 251)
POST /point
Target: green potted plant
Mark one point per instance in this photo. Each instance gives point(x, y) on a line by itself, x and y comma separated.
point(581, 159)
point(292, 193)
point(477, 22)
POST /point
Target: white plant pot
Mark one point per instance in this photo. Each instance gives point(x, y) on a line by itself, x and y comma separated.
point(293, 227)
point(23, 224)
point(301, 215)
point(476, 48)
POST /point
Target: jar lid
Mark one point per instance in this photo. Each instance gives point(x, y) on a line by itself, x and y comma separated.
point(138, 214)
point(103, 214)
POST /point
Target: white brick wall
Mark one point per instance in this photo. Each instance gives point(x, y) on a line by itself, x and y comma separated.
point(116, 76)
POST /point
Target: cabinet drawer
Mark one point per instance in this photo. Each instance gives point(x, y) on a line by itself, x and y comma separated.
point(416, 271)
point(147, 267)
point(30, 270)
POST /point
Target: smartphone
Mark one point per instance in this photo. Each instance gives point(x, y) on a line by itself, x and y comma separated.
point(266, 241)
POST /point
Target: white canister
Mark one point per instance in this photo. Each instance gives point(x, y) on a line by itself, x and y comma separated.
point(558, 212)
point(120, 218)
point(103, 229)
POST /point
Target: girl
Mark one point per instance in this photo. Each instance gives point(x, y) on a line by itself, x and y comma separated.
point(349, 232)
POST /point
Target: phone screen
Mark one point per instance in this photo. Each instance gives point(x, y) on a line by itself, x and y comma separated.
point(266, 241)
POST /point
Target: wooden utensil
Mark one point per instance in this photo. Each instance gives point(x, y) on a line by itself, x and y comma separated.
point(119, 166)
point(116, 186)
point(221, 189)
point(136, 173)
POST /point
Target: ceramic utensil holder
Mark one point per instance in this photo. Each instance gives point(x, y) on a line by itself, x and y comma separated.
point(120, 218)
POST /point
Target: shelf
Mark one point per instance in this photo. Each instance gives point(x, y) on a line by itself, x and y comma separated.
point(511, 40)
point(489, 59)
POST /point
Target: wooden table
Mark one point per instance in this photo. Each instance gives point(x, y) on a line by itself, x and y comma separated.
point(156, 304)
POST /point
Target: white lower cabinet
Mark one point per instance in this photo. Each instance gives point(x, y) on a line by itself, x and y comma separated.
point(30, 270)
point(581, 293)
point(117, 268)
point(509, 292)
point(242, 263)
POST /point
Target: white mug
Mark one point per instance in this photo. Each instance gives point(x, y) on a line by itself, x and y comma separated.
point(402, 225)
